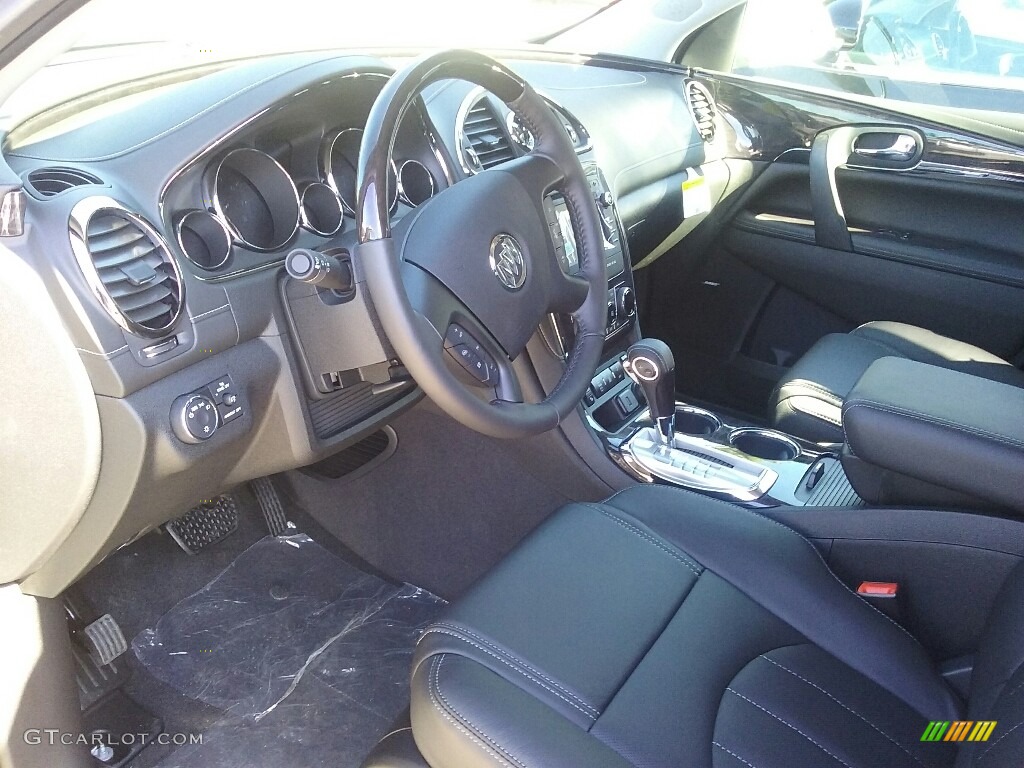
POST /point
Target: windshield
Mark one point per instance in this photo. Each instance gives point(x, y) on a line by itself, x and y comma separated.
point(113, 41)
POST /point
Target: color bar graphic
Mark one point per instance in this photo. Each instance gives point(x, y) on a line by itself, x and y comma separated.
point(959, 730)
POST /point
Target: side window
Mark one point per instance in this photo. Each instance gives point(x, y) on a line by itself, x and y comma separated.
point(958, 53)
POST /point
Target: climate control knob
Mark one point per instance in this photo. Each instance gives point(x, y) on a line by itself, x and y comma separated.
point(194, 418)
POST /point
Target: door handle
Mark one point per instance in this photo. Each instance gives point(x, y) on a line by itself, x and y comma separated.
point(867, 147)
point(903, 149)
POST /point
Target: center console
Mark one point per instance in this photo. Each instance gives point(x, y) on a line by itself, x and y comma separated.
point(632, 410)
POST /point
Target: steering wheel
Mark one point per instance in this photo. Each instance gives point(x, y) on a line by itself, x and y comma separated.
point(464, 281)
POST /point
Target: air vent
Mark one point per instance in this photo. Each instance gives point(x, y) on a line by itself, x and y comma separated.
point(48, 182)
point(702, 107)
point(483, 141)
point(128, 265)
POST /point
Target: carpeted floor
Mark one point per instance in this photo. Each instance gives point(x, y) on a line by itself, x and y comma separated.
point(447, 505)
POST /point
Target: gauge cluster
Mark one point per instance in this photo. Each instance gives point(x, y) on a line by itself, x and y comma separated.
point(290, 179)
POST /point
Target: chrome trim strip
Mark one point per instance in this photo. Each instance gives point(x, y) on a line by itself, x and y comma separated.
point(401, 186)
point(12, 213)
point(460, 120)
point(78, 227)
point(947, 169)
point(772, 434)
point(219, 208)
point(220, 223)
point(304, 217)
point(211, 149)
point(327, 172)
point(737, 477)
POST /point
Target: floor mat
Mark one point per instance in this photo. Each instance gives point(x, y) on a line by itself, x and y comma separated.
point(307, 657)
point(448, 504)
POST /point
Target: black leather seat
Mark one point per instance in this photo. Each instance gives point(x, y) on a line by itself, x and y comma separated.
point(663, 628)
point(807, 402)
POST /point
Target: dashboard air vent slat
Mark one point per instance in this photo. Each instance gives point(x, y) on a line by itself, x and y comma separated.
point(702, 107)
point(486, 137)
point(48, 182)
point(128, 265)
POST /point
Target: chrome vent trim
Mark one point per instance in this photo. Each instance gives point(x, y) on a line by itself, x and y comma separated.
point(51, 181)
point(481, 137)
point(702, 108)
point(128, 266)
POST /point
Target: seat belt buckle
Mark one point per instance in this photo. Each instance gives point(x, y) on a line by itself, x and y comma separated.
point(883, 595)
point(882, 590)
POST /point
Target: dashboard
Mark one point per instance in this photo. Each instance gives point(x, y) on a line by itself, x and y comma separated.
point(160, 218)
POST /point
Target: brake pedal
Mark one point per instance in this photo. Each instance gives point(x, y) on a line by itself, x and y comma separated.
point(205, 525)
point(270, 505)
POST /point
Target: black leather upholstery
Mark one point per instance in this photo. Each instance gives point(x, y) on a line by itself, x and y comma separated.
point(917, 433)
point(808, 400)
point(663, 628)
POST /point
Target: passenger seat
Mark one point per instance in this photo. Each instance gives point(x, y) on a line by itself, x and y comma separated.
point(808, 400)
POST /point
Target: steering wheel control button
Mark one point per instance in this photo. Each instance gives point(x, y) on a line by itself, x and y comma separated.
point(194, 418)
point(470, 355)
point(507, 261)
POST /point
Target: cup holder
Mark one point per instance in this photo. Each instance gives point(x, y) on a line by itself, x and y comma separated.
point(696, 421)
point(764, 444)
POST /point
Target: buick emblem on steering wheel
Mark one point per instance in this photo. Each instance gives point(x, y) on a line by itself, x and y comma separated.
point(507, 261)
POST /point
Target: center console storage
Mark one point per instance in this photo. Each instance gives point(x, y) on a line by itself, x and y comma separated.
point(919, 434)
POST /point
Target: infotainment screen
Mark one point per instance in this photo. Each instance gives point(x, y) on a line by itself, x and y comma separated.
point(571, 260)
point(558, 214)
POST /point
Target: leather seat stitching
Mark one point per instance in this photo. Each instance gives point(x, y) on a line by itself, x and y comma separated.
point(729, 751)
point(990, 746)
point(516, 660)
point(827, 393)
point(435, 686)
point(789, 725)
point(813, 414)
point(841, 704)
point(787, 529)
point(662, 545)
point(933, 420)
point(510, 665)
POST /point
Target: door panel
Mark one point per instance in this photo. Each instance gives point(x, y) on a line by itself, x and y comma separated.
point(926, 241)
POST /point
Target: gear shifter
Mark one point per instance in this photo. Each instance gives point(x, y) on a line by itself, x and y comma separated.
point(650, 364)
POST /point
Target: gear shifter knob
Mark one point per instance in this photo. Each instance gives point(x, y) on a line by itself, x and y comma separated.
point(650, 364)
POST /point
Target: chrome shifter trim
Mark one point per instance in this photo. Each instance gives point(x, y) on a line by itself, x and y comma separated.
point(693, 462)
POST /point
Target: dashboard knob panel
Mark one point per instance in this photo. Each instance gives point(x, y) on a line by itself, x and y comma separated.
point(194, 418)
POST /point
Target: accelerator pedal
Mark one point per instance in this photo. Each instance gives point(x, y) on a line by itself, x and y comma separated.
point(97, 648)
point(205, 525)
point(270, 505)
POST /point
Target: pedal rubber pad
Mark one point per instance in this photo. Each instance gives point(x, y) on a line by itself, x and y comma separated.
point(105, 640)
point(270, 505)
point(204, 525)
